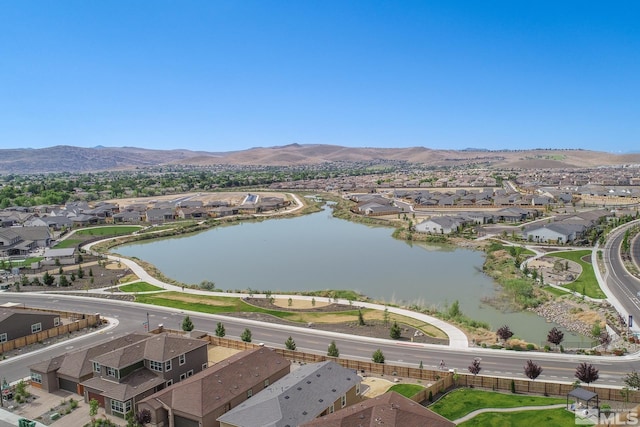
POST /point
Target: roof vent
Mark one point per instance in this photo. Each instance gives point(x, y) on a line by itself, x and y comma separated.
point(286, 397)
point(318, 375)
point(333, 390)
point(299, 388)
point(304, 412)
point(320, 400)
point(308, 382)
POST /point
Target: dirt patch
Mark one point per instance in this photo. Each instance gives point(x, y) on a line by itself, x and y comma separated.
point(318, 308)
point(218, 354)
point(298, 304)
point(377, 386)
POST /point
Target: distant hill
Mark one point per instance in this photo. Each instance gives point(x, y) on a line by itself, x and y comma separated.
point(77, 159)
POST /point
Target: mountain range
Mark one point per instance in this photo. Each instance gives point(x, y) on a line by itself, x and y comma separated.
point(64, 158)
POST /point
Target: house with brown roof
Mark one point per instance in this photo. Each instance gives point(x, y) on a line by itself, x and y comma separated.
point(201, 399)
point(121, 372)
point(390, 410)
point(123, 377)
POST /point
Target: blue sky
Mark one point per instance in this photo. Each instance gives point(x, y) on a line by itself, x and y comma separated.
point(229, 75)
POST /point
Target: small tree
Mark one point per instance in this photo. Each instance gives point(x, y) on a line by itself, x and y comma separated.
point(385, 316)
point(395, 332)
point(378, 356)
point(360, 318)
point(90, 272)
point(80, 272)
point(421, 366)
point(143, 417)
point(290, 302)
point(48, 279)
point(246, 335)
point(555, 336)
point(504, 333)
point(596, 329)
point(333, 350)
point(187, 324)
point(475, 367)
point(532, 370)
point(605, 339)
point(93, 408)
point(587, 373)
point(220, 331)
point(632, 380)
point(63, 281)
point(290, 344)
point(72, 277)
point(313, 302)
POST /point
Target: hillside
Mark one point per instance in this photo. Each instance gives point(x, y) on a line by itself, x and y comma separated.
point(78, 159)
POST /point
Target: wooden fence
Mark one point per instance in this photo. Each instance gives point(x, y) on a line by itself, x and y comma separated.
point(438, 381)
point(77, 321)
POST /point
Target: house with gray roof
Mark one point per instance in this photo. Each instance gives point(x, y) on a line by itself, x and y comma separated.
point(308, 392)
point(389, 410)
point(17, 322)
point(202, 398)
point(441, 224)
point(63, 256)
point(555, 232)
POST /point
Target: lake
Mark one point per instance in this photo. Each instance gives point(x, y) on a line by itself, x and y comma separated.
point(318, 251)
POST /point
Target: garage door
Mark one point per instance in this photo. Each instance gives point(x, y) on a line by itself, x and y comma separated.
point(97, 397)
point(184, 422)
point(68, 385)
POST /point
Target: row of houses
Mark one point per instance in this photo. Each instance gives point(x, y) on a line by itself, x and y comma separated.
point(447, 224)
point(81, 214)
point(565, 228)
point(168, 376)
point(487, 197)
point(16, 241)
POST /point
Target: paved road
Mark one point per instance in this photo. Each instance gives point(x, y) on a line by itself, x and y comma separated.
point(131, 316)
point(619, 282)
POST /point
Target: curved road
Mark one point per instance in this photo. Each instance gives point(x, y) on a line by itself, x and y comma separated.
point(130, 317)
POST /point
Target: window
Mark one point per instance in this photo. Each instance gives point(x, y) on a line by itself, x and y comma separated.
point(155, 366)
point(183, 377)
point(358, 389)
point(3, 337)
point(266, 383)
point(332, 409)
point(204, 366)
point(343, 400)
point(96, 367)
point(167, 365)
point(110, 371)
point(249, 393)
point(182, 359)
point(190, 372)
point(36, 378)
point(120, 407)
point(168, 383)
point(36, 327)
point(56, 321)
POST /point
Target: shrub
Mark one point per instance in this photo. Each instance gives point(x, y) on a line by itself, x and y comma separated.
point(531, 347)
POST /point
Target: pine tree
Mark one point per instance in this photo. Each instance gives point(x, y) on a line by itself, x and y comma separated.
point(360, 318)
point(333, 350)
point(220, 331)
point(395, 332)
point(187, 324)
point(246, 335)
point(290, 344)
point(378, 356)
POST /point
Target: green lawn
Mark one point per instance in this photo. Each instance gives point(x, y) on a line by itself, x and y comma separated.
point(460, 402)
point(139, 287)
point(407, 390)
point(68, 243)
point(548, 418)
point(586, 283)
point(109, 231)
point(26, 263)
point(218, 305)
point(555, 291)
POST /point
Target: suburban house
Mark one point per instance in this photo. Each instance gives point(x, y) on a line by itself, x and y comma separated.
point(201, 399)
point(160, 215)
point(17, 323)
point(67, 371)
point(64, 256)
point(555, 232)
point(390, 410)
point(121, 372)
point(21, 240)
point(441, 225)
point(308, 392)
